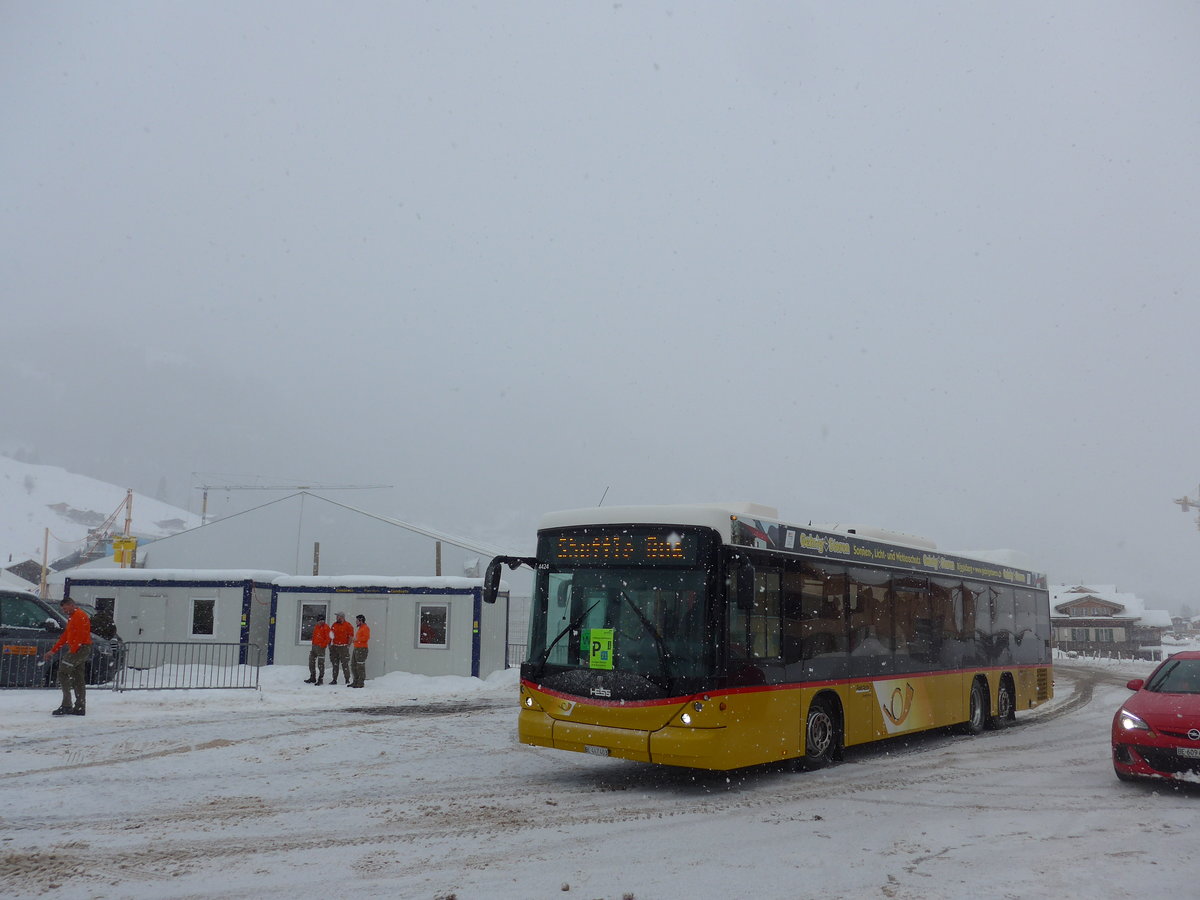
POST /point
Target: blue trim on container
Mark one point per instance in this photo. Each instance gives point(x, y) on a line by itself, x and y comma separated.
point(244, 631)
point(271, 628)
point(162, 582)
point(391, 591)
point(476, 638)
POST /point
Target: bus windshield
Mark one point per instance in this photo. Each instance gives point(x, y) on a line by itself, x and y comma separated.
point(645, 621)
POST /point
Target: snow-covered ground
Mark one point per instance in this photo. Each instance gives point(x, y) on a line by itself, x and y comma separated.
point(416, 787)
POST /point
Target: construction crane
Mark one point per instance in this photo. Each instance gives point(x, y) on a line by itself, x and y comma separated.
point(278, 487)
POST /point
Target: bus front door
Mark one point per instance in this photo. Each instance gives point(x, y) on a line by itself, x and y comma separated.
point(863, 719)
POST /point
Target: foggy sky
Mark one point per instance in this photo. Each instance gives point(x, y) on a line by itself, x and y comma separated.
point(931, 267)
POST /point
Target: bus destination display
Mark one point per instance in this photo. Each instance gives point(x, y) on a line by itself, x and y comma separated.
point(663, 546)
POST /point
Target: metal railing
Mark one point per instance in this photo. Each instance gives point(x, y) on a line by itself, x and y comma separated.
point(514, 655)
point(185, 665)
point(22, 662)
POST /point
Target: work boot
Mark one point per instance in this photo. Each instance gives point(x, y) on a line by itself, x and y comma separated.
point(310, 681)
point(61, 711)
point(78, 711)
point(319, 681)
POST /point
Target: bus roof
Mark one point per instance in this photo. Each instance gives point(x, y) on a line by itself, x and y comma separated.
point(714, 515)
point(755, 525)
point(717, 516)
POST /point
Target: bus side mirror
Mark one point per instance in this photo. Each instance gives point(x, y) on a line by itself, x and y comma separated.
point(491, 577)
point(563, 595)
point(745, 585)
point(491, 580)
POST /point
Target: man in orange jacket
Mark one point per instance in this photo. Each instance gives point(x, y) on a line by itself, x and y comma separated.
point(77, 637)
point(316, 653)
point(362, 637)
point(341, 632)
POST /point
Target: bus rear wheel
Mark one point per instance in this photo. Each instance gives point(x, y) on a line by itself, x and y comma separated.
point(978, 713)
point(1006, 706)
point(820, 735)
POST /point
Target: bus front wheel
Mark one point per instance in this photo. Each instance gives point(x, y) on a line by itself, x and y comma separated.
point(820, 735)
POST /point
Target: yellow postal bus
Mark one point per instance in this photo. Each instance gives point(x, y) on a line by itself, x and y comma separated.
point(718, 637)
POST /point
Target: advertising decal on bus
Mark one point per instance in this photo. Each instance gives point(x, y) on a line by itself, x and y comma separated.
point(773, 536)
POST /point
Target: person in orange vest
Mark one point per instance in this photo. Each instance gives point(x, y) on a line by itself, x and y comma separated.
point(77, 637)
point(362, 637)
point(316, 654)
point(341, 632)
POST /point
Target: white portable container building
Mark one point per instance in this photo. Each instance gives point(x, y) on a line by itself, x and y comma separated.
point(188, 605)
point(425, 625)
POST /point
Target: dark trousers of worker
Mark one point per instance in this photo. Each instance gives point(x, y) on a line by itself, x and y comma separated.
point(359, 664)
point(316, 663)
point(71, 671)
point(340, 656)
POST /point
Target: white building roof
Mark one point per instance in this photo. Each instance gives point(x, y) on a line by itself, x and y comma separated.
point(15, 582)
point(1132, 606)
point(262, 576)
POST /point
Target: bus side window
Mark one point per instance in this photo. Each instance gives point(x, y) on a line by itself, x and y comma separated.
point(977, 623)
point(946, 608)
point(910, 609)
point(764, 618)
point(870, 626)
point(1002, 623)
point(870, 621)
point(796, 625)
point(823, 624)
point(754, 633)
point(1025, 628)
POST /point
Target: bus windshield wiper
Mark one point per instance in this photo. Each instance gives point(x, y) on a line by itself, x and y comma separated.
point(664, 656)
point(571, 626)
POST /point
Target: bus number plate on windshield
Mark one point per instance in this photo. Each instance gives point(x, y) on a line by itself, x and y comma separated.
point(595, 751)
point(1189, 752)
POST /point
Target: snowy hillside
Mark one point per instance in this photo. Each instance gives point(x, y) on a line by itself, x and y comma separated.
point(34, 498)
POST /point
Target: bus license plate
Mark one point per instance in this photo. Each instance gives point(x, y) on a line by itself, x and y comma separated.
point(595, 751)
point(1189, 752)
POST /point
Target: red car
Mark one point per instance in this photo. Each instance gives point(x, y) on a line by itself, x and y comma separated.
point(1156, 732)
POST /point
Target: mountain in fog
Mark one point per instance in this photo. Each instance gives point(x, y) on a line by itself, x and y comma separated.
point(34, 498)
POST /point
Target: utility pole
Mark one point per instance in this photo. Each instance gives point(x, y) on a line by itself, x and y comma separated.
point(1186, 503)
point(44, 587)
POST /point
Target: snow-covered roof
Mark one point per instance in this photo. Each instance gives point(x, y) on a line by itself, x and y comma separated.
point(261, 576)
point(1132, 606)
point(15, 582)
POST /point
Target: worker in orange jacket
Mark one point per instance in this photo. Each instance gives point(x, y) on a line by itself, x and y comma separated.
point(77, 637)
point(341, 632)
point(316, 653)
point(362, 637)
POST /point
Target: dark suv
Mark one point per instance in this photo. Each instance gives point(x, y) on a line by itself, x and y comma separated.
point(28, 628)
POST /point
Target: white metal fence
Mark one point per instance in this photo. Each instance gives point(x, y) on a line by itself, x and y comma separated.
point(183, 665)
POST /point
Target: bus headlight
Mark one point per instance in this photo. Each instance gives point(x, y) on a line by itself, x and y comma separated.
point(686, 718)
point(528, 701)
